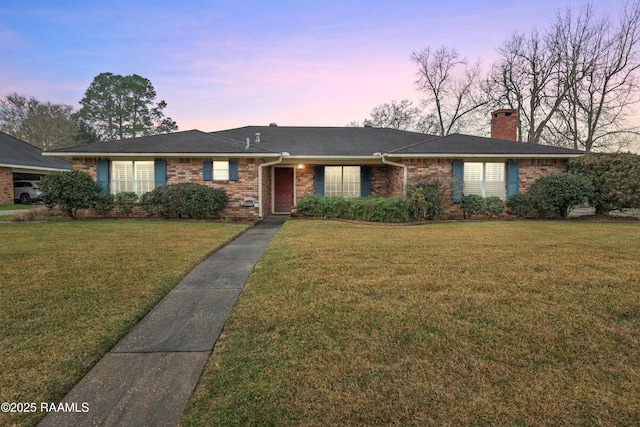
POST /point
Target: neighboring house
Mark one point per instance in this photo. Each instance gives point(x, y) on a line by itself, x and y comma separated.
point(268, 169)
point(21, 161)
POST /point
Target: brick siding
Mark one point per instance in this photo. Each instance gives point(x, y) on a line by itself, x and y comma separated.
point(6, 186)
point(386, 180)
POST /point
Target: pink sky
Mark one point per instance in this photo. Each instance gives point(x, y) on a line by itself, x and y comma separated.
point(224, 64)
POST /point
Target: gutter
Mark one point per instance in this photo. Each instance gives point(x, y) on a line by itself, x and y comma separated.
point(401, 165)
point(27, 168)
point(260, 166)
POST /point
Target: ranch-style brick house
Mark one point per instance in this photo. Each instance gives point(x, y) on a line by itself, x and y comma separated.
point(267, 169)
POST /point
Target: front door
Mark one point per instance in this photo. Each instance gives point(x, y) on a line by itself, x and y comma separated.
point(283, 184)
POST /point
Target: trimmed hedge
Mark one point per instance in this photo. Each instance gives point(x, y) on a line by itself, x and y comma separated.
point(375, 209)
point(184, 200)
point(560, 193)
point(520, 204)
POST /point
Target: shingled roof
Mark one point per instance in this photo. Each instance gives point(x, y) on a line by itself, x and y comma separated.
point(459, 144)
point(15, 153)
point(313, 142)
point(166, 144)
point(326, 141)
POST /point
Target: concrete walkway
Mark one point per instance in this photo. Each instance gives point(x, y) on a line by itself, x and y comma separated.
point(149, 376)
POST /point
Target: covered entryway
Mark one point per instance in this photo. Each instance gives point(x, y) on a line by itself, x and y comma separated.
point(283, 190)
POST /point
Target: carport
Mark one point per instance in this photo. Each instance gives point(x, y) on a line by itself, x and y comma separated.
point(21, 161)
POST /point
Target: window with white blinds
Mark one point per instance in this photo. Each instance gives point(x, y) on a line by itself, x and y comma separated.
point(484, 179)
point(136, 176)
point(342, 181)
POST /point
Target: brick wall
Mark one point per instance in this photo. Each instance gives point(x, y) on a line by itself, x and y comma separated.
point(304, 182)
point(386, 180)
point(532, 169)
point(6, 186)
point(190, 170)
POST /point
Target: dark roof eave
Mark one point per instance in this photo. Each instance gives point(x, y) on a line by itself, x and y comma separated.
point(156, 154)
point(484, 155)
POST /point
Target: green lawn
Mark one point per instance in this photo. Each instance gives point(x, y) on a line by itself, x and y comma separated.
point(14, 207)
point(70, 290)
point(474, 323)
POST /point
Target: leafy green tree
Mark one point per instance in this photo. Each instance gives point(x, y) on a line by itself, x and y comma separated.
point(120, 107)
point(42, 124)
point(69, 190)
point(560, 193)
point(616, 179)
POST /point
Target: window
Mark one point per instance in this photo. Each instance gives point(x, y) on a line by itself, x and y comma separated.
point(485, 179)
point(136, 176)
point(220, 170)
point(342, 181)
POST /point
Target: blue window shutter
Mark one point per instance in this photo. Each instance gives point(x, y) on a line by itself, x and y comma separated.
point(458, 182)
point(160, 173)
point(513, 171)
point(207, 170)
point(233, 170)
point(318, 181)
point(365, 181)
point(102, 175)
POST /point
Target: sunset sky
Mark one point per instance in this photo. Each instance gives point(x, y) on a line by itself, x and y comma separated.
point(225, 64)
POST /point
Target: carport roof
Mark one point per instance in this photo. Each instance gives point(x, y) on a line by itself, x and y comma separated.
point(15, 153)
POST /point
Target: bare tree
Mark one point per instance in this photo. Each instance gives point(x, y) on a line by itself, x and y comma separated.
point(528, 81)
point(600, 100)
point(42, 124)
point(449, 97)
point(396, 115)
point(573, 84)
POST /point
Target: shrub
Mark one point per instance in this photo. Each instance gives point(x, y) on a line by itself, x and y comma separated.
point(377, 209)
point(104, 204)
point(473, 204)
point(494, 206)
point(184, 200)
point(428, 196)
point(520, 204)
point(615, 177)
point(155, 202)
point(125, 202)
point(559, 193)
point(69, 190)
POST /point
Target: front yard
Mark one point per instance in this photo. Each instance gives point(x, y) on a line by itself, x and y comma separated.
point(69, 291)
point(472, 323)
point(487, 323)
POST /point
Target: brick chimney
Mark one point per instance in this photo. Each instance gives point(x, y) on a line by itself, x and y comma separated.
point(504, 124)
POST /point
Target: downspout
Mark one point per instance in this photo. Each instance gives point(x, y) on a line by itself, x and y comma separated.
point(400, 165)
point(260, 166)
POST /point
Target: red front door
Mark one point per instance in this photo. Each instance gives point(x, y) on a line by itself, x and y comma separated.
point(283, 183)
